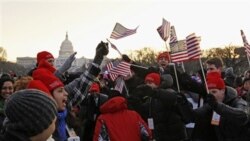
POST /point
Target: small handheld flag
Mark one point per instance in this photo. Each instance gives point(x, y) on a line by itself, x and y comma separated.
point(120, 31)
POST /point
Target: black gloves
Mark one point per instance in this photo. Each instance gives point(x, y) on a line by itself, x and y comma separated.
point(101, 50)
point(145, 90)
point(211, 100)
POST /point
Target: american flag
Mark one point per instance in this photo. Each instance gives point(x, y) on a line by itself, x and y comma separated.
point(164, 29)
point(173, 36)
point(120, 31)
point(179, 56)
point(117, 68)
point(193, 46)
point(109, 67)
point(119, 84)
point(245, 42)
point(178, 51)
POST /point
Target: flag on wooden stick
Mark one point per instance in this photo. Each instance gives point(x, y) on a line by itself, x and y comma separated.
point(164, 30)
point(193, 46)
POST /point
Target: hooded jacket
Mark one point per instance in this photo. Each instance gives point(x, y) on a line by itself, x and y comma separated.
point(117, 123)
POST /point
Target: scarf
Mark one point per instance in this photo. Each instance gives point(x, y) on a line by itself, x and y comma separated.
point(61, 125)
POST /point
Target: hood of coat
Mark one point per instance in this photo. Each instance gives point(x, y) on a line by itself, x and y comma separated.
point(231, 94)
point(113, 105)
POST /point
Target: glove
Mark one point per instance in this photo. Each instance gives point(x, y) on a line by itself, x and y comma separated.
point(101, 50)
point(145, 90)
point(211, 100)
point(126, 58)
point(67, 64)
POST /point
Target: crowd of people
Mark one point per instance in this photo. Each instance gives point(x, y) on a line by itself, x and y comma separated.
point(158, 103)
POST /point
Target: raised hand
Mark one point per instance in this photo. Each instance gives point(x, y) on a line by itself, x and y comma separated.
point(67, 64)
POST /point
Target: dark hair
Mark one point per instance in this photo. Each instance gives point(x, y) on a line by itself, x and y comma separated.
point(5, 78)
point(215, 61)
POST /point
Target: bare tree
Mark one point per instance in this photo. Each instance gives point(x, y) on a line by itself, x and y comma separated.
point(145, 56)
point(3, 54)
point(232, 56)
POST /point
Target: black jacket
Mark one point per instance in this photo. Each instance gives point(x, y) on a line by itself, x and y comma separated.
point(162, 107)
point(233, 121)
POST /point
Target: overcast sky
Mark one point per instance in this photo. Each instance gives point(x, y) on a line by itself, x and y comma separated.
point(30, 26)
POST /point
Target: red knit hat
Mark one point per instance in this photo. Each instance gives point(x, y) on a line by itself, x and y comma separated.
point(153, 77)
point(214, 81)
point(94, 88)
point(37, 84)
point(163, 55)
point(48, 79)
point(43, 55)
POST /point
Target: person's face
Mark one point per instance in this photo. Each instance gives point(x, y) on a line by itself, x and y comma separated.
point(7, 89)
point(61, 97)
point(246, 85)
point(247, 75)
point(46, 133)
point(212, 68)
point(51, 61)
point(163, 62)
point(151, 84)
point(218, 94)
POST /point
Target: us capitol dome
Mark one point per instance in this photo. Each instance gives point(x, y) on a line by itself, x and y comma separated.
point(66, 49)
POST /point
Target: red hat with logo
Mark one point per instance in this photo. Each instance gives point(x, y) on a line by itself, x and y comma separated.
point(43, 55)
point(163, 55)
point(153, 77)
point(94, 87)
point(214, 81)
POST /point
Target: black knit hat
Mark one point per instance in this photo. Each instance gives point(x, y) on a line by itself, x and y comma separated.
point(29, 111)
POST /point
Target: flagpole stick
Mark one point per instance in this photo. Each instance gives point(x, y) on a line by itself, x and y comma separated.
point(175, 73)
point(116, 48)
point(248, 60)
point(126, 89)
point(119, 52)
point(168, 49)
point(139, 66)
point(205, 82)
point(183, 67)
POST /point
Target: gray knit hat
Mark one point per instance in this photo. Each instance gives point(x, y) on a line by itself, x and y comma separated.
point(29, 111)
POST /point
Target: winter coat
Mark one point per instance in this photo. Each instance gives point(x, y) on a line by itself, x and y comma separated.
point(233, 120)
point(117, 123)
point(163, 108)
